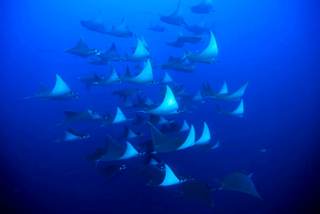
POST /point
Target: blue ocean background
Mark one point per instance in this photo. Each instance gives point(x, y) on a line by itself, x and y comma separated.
point(274, 45)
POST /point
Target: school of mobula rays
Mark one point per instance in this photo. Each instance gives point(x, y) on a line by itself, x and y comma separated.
point(159, 134)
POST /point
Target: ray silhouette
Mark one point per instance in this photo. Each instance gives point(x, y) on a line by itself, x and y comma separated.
point(240, 182)
point(169, 104)
point(208, 55)
point(205, 137)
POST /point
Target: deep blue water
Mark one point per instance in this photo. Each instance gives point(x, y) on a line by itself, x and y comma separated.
point(274, 45)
